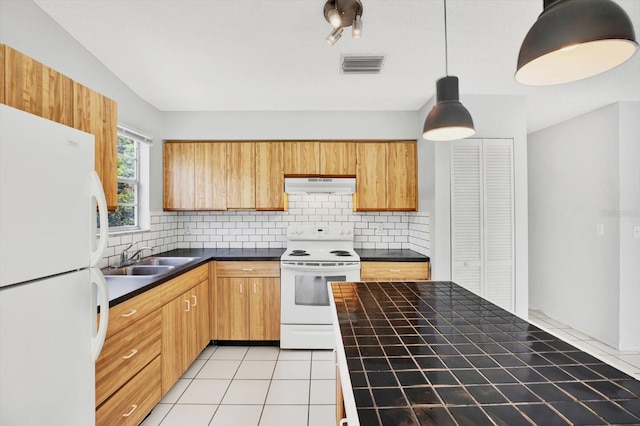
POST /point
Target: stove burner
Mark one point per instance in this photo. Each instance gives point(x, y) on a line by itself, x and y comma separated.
point(298, 253)
point(343, 253)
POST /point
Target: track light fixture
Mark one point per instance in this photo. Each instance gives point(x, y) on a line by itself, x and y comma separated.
point(449, 119)
point(575, 39)
point(341, 14)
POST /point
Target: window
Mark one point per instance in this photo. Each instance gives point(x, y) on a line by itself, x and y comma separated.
point(127, 216)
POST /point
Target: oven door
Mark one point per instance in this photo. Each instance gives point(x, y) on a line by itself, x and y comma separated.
point(304, 293)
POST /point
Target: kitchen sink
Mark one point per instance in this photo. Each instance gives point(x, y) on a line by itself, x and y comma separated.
point(147, 270)
point(165, 261)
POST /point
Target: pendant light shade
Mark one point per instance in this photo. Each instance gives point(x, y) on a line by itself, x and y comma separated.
point(449, 119)
point(573, 40)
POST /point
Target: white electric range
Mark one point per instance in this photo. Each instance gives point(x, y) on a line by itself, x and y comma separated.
point(315, 256)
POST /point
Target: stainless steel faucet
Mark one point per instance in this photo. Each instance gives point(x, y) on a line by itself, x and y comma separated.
point(125, 259)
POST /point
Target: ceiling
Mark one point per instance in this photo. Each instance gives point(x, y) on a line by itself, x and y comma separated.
point(271, 55)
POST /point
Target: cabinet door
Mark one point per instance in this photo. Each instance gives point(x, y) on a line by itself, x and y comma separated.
point(3, 49)
point(233, 314)
point(338, 158)
point(371, 174)
point(269, 176)
point(402, 176)
point(179, 176)
point(210, 176)
point(200, 311)
point(264, 309)
point(241, 175)
point(38, 89)
point(301, 158)
point(175, 331)
point(98, 115)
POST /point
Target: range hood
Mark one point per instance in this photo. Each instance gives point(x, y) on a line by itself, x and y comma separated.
point(320, 185)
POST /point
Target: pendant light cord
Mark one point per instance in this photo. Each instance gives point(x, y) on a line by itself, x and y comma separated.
point(446, 47)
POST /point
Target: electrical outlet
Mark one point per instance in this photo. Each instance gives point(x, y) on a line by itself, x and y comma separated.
point(376, 226)
point(187, 228)
point(636, 232)
point(600, 229)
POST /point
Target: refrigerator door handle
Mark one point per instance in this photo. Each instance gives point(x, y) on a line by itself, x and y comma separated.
point(98, 337)
point(97, 194)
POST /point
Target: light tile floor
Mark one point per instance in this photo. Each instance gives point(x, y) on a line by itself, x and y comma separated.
point(251, 386)
point(626, 361)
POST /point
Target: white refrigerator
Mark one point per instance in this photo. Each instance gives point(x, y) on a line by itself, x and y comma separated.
point(49, 285)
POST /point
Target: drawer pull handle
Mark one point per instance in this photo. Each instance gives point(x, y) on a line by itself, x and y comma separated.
point(133, 408)
point(247, 269)
point(128, 314)
point(188, 305)
point(241, 286)
point(254, 287)
point(394, 270)
point(133, 352)
point(195, 300)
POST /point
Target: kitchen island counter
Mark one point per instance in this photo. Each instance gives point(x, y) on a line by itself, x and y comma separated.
point(428, 352)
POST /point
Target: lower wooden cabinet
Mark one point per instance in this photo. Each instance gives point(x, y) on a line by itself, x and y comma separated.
point(248, 300)
point(126, 353)
point(131, 403)
point(185, 332)
point(394, 271)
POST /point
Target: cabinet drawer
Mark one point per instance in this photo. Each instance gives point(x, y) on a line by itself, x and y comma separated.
point(131, 404)
point(126, 313)
point(248, 269)
point(394, 271)
point(126, 353)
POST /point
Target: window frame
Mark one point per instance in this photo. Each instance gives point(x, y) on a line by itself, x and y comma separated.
point(138, 139)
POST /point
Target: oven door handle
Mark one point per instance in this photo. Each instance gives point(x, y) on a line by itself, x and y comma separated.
point(321, 269)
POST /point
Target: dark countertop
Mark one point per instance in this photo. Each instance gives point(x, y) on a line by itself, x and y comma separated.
point(123, 289)
point(377, 255)
point(422, 353)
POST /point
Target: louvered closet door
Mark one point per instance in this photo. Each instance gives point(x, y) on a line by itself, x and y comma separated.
point(498, 218)
point(466, 214)
point(482, 245)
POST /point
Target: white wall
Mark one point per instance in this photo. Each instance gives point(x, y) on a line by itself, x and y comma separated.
point(493, 117)
point(629, 216)
point(573, 183)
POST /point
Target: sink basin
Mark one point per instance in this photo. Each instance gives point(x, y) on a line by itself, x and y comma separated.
point(165, 261)
point(147, 270)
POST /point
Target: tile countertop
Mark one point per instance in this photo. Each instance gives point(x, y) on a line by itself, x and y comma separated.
point(430, 352)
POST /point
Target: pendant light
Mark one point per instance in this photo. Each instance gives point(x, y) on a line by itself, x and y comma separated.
point(449, 119)
point(573, 40)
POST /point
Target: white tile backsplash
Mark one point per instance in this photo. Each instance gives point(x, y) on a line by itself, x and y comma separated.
point(255, 229)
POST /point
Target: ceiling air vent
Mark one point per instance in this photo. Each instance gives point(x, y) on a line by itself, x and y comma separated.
point(361, 64)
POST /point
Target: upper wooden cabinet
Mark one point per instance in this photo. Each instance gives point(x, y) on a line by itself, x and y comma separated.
point(338, 158)
point(221, 175)
point(270, 176)
point(402, 176)
point(371, 175)
point(311, 158)
point(195, 176)
point(301, 158)
point(241, 175)
point(33, 87)
point(36, 88)
point(386, 176)
point(211, 176)
point(96, 114)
